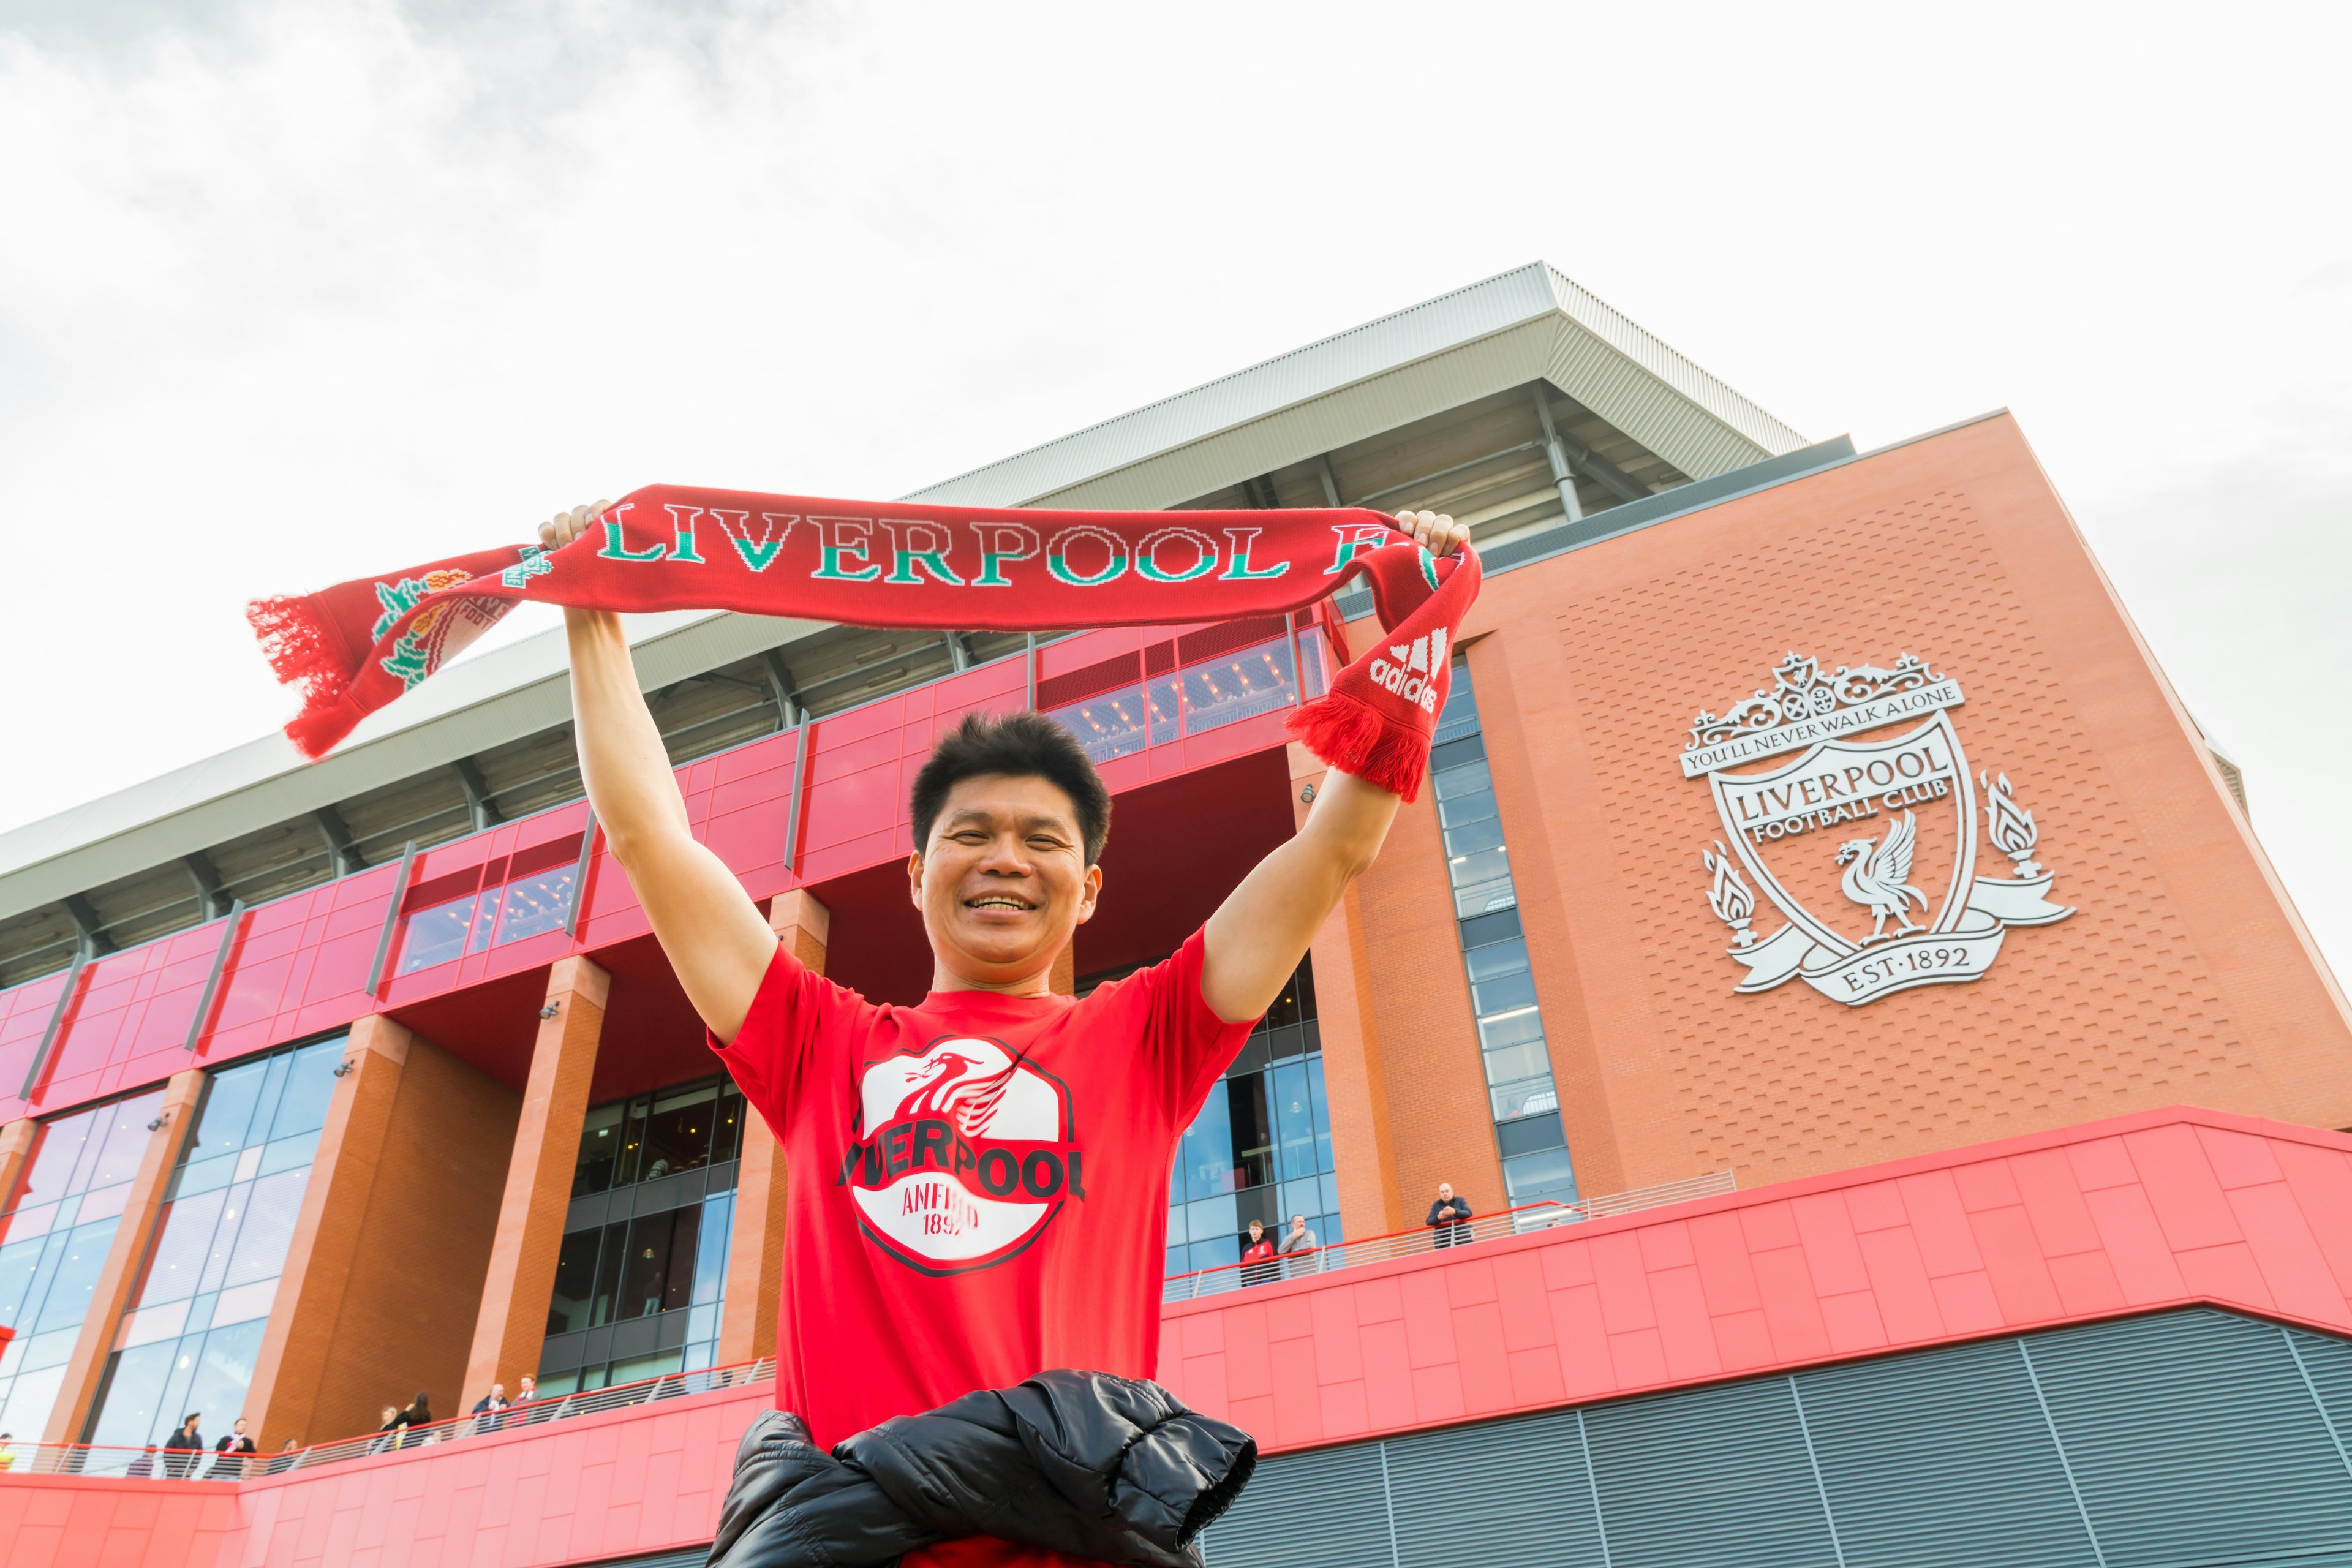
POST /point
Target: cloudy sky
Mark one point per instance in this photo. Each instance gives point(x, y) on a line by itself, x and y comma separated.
point(291, 293)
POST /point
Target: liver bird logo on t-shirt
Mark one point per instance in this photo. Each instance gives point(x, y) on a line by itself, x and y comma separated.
point(956, 1084)
point(962, 1154)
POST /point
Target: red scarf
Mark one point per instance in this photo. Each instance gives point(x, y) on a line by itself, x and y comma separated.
point(354, 647)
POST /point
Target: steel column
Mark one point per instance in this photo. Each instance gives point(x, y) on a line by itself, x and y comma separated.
point(1562, 475)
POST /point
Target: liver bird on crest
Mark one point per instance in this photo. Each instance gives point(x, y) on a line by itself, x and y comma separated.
point(1878, 875)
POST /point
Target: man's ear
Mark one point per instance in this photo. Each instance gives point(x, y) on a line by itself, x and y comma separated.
point(1093, 891)
point(915, 879)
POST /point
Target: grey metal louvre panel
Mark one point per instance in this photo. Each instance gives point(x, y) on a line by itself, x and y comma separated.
point(1942, 1458)
point(2194, 1440)
point(1715, 1477)
point(1321, 1510)
point(2327, 1362)
point(1515, 1492)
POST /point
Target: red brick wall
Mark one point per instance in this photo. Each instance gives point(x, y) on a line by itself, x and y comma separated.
point(2183, 978)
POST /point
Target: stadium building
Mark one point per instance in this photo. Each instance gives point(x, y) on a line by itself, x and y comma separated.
point(1901, 1107)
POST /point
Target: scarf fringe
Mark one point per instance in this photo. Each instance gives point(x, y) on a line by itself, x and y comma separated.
point(306, 653)
point(1359, 740)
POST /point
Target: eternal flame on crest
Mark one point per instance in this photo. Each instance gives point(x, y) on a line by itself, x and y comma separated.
point(1866, 840)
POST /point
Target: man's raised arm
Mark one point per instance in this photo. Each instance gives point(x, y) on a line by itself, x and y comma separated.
point(709, 928)
point(1258, 934)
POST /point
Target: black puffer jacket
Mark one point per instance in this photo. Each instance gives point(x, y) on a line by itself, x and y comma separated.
point(1080, 1462)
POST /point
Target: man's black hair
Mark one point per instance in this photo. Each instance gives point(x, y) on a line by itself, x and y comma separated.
point(1019, 745)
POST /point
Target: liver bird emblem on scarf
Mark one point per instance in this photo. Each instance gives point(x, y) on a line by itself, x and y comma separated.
point(1878, 877)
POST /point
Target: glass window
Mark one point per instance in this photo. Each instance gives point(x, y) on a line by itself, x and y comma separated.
point(1522, 1095)
point(1515, 1062)
point(1483, 898)
point(575, 1281)
point(182, 1242)
point(643, 1138)
point(1510, 1029)
point(1253, 1130)
point(678, 1131)
point(77, 1256)
point(310, 1085)
point(1504, 995)
point(55, 1236)
point(1241, 686)
point(710, 1249)
point(1534, 1178)
point(1207, 1150)
point(600, 1151)
point(437, 935)
point(1115, 724)
point(1295, 1121)
point(1497, 959)
point(1455, 782)
point(1322, 1102)
point(659, 1272)
point(267, 1230)
point(674, 1261)
point(1269, 1124)
point(611, 1257)
point(727, 1141)
point(535, 905)
point(196, 1319)
point(1467, 810)
point(1475, 837)
point(1529, 1097)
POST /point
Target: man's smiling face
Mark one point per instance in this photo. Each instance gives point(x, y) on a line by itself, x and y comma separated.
point(1003, 881)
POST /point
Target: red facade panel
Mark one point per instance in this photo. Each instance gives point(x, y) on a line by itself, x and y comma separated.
point(1998, 1238)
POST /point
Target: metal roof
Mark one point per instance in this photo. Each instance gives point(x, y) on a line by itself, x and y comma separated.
point(1529, 324)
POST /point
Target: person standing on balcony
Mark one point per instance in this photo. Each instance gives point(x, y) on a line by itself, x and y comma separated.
point(286, 1457)
point(1258, 1264)
point(1298, 1249)
point(1449, 1218)
point(992, 1164)
point(229, 1453)
point(184, 1449)
point(487, 1409)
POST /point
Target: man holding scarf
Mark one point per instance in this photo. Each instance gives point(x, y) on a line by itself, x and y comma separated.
point(979, 1182)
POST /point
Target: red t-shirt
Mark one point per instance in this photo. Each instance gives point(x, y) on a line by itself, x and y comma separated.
point(978, 1187)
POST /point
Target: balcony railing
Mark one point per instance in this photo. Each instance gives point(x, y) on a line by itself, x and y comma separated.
point(1423, 1240)
point(203, 1465)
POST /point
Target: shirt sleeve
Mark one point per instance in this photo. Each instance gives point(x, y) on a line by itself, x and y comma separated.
point(792, 1016)
point(1185, 1045)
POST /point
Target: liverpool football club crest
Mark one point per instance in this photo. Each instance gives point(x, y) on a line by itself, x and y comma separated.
point(1846, 798)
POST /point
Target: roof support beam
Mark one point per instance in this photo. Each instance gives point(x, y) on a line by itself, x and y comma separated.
point(211, 900)
point(342, 853)
point(1562, 476)
point(1260, 492)
point(958, 651)
point(477, 794)
point(779, 682)
point(1331, 481)
point(1612, 477)
point(1418, 480)
point(94, 940)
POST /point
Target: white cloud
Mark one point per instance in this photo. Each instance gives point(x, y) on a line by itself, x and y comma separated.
point(297, 290)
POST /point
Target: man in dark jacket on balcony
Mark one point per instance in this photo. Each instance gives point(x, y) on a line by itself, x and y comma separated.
point(183, 1448)
point(1449, 1218)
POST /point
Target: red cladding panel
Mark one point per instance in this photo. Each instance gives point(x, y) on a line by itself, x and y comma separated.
point(1994, 1239)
